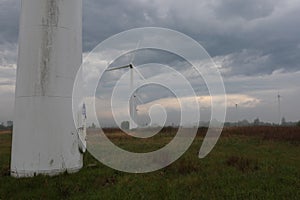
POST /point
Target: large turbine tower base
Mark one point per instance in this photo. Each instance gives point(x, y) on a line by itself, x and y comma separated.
point(45, 140)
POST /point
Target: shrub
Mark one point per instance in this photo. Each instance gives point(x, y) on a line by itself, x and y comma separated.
point(242, 164)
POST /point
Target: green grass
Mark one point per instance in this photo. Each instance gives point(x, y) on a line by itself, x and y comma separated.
point(239, 167)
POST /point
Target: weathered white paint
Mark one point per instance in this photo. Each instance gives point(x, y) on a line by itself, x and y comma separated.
point(81, 128)
point(45, 140)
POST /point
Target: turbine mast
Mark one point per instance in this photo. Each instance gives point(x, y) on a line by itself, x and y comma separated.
point(132, 106)
point(237, 115)
point(45, 139)
point(279, 108)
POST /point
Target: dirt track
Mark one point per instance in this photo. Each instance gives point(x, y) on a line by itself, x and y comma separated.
point(5, 132)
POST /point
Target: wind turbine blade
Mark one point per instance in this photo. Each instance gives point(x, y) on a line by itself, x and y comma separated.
point(116, 68)
point(138, 72)
point(138, 99)
point(132, 65)
point(134, 53)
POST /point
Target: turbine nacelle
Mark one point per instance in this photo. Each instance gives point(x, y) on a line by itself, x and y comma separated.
point(130, 66)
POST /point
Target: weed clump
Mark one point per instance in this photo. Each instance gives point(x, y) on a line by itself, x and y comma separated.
point(242, 164)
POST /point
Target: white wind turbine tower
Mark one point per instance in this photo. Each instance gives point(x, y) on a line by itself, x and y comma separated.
point(132, 100)
point(45, 139)
point(237, 114)
point(279, 108)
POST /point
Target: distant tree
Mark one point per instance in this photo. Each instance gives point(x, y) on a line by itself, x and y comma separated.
point(125, 125)
point(226, 124)
point(244, 123)
point(283, 122)
point(93, 125)
point(256, 122)
point(298, 123)
point(2, 127)
point(9, 123)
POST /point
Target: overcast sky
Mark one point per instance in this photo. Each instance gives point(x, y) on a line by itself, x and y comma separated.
point(255, 43)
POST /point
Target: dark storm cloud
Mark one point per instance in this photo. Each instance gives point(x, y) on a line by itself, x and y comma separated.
point(105, 18)
point(258, 39)
point(251, 37)
point(9, 21)
point(254, 37)
point(246, 9)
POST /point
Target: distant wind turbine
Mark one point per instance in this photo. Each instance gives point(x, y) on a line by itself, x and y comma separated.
point(132, 100)
point(237, 114)
point(279, 108)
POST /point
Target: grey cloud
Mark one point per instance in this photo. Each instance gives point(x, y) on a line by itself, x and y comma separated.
point(9, 20)
point(8, 57)
point(223, 27)
point(105, 18)
point(247, 62)
point(247, 38)
point(8, 54)
point(247, 9)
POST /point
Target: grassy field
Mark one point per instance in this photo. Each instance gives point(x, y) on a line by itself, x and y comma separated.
point(247, 163)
